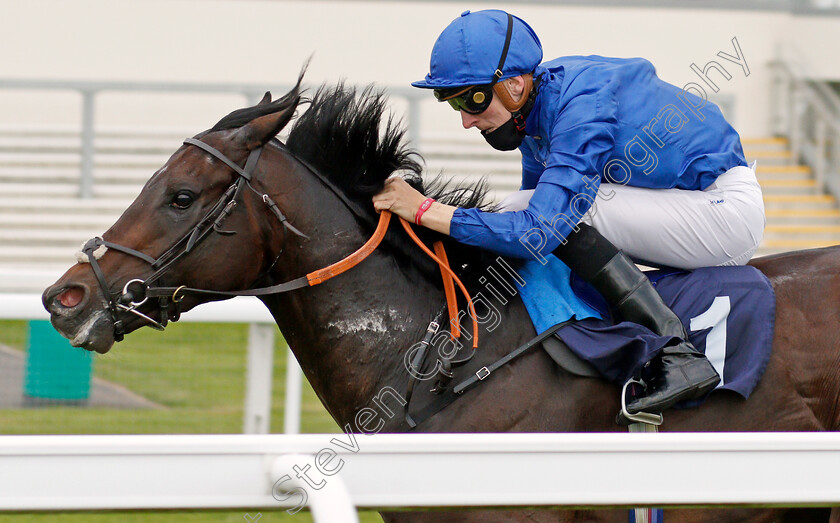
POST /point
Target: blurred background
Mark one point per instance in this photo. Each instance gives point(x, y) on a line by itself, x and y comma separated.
point(96, 94)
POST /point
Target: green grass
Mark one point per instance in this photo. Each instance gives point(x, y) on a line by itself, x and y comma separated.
point(196, 374)
point(13, 333)
point(195, 371)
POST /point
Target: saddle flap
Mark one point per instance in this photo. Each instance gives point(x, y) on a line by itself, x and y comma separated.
point(568, 360)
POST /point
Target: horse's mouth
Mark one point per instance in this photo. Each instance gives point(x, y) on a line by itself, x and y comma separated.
point(91, 328)
point(77, 314)
point(95, 334)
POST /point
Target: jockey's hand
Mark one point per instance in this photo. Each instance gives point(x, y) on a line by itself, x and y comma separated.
point(399, 198)
point(404, 201)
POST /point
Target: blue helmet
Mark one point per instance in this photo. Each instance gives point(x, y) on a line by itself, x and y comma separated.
point(468, 51)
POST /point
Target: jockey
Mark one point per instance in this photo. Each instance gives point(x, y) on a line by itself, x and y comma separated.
point(668, 172)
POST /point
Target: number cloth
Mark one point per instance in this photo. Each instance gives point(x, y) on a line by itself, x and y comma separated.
point(729, 313)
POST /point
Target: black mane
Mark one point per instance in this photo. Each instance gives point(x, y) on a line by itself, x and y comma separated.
point(346, 135)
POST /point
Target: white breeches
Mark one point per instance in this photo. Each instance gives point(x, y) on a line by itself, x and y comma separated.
point(721, 225)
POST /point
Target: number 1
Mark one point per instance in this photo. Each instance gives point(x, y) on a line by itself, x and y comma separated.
point(714, 317)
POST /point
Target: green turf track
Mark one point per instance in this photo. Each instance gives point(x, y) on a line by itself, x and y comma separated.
point(196, 373)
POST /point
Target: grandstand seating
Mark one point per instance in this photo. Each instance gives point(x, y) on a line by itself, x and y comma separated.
point(43, 221)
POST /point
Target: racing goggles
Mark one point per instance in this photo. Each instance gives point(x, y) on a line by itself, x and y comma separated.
point(474, 99)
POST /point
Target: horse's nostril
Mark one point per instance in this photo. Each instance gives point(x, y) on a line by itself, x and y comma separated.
point(71, 297)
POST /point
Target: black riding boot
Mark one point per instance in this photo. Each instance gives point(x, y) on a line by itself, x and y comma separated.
point(680, 371)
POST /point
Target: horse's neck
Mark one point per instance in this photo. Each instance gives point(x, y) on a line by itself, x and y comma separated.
point(350, 333)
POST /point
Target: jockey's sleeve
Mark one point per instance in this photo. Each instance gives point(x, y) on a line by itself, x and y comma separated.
point(580, 139)
point(531, 170)
point(501, 232)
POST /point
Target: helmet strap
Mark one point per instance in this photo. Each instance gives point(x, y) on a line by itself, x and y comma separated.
point(498, 74)
point(502, 92)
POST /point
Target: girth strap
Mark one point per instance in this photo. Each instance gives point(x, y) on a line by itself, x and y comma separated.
point(445, 399)
point(482, 373)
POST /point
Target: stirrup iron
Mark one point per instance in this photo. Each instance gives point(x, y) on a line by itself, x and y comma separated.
point(625, 418)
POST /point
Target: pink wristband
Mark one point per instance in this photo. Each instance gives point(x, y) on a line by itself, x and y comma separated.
point(423, 208)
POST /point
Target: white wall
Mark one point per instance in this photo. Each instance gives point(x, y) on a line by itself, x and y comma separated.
point(263, 41)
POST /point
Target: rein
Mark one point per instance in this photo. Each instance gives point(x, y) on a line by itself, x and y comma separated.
point(136, 291)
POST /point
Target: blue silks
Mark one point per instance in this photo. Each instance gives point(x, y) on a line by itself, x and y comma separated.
point(602, 120)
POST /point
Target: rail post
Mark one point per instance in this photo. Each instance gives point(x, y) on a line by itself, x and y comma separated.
point(259, 379)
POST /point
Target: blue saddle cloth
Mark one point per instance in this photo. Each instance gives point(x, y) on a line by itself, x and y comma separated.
point(729, 313)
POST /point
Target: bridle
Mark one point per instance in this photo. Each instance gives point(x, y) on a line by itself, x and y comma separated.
point(137, 291)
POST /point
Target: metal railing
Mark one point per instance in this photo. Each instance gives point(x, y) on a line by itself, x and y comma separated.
point(808, 113)
point(89, 91)
point(247, 472)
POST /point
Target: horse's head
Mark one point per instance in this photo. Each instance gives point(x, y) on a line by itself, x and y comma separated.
point(200, 208)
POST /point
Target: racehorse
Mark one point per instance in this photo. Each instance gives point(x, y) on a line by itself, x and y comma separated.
point(301, 206)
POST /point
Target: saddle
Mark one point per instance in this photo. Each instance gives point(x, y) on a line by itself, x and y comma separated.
point(568, 360)
point(729, 313)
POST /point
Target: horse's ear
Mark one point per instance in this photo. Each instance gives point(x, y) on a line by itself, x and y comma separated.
point(260, 131)
point(266, 99)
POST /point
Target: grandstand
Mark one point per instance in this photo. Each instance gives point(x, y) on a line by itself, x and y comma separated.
point(43, 220)
point(65, 178)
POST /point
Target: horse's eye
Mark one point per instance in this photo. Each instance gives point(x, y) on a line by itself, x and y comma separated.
point(182, 200)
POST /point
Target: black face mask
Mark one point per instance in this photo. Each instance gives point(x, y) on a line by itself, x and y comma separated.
point(510, 134)
point(506, 137)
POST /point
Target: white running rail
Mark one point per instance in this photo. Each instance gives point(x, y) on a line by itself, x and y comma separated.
point(419, 470)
